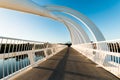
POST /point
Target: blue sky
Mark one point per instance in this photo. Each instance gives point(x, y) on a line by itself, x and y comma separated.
point(104, 13)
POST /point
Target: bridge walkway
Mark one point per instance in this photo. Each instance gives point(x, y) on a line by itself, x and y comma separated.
point(67, 65)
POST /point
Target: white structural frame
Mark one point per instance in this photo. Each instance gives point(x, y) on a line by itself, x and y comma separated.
point(24, 55)
point(107, 57)
point(78, 28)
point(46, 11)
point(106, 54)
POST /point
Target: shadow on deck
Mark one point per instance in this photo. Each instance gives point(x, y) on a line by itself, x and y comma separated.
point(67, 65)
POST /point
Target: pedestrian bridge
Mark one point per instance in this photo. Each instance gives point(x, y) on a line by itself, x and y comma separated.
point(84, 60)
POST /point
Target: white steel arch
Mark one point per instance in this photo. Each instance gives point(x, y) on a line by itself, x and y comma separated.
point(77, 33)
point(46, 11)
point(78, 28)
point(96, 33)
point(76, 37)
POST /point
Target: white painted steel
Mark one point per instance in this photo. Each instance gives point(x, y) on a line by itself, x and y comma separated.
point(96, 33)
point(19, 49)
point(77, 38)
point(106, 54)
point(77, 28)
point(46, 11)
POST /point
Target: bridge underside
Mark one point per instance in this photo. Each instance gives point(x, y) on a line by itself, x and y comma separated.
point(67, 65)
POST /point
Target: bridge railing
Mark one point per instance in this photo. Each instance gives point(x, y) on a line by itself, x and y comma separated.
point(17, 54)
point(105, 53)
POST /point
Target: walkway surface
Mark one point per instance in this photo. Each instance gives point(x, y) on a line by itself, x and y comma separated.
point(67, 65)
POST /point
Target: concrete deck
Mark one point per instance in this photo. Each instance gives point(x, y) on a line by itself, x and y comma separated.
point(67, 65)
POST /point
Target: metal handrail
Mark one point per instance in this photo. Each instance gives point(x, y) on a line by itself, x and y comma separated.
point(105, 53)
point(17, 54)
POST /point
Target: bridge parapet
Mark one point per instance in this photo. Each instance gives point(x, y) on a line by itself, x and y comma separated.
point(105, 53)
point(17, 55)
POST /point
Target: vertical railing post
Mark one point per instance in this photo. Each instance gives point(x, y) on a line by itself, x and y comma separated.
point(0, 50)
point(4, 57)
point(52, 51)
point(45, 51)
point(31, 56)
